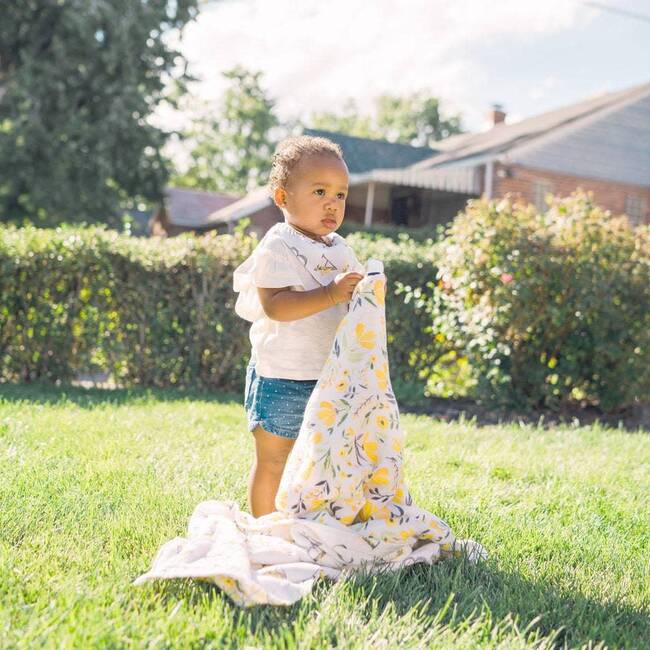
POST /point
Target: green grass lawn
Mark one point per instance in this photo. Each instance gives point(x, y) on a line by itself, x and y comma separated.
point(92, 482)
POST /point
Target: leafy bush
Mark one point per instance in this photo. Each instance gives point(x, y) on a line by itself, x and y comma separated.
point(512, 307)
point(378, 231)
point(548, 309)
point(158, 312)
point(409, 266)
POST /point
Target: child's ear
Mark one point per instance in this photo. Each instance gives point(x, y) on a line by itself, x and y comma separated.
point(280, 196)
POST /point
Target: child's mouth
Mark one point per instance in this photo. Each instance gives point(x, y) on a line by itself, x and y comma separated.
point(329, 222)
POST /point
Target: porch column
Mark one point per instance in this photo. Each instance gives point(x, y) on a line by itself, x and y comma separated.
point(489, 179)
point(370, 197)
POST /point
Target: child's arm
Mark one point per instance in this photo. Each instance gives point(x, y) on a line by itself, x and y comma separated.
point(283, 304)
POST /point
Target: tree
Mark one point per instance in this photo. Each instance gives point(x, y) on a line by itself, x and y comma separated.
point(78, 81)
point(231, 152)
point(414, 119)
point(349, 121)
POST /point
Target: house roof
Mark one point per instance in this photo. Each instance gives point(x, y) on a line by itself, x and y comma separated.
point(455, 167)
point(255, 200)
point(460, 180)
point(192, 208)
point(507, 137)
point(364, 154)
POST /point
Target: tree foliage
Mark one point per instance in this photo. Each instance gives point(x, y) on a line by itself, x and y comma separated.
point(414, 119)
point(78, 82)
point(231, 150)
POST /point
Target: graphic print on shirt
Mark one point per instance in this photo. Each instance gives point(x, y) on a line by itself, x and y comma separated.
point(326, 265)
point(321, 266)
point(301, 257)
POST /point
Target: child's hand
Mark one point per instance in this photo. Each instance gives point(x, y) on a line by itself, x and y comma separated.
point(343, 285)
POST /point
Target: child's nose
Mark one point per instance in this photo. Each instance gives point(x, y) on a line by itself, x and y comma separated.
point(332, 203)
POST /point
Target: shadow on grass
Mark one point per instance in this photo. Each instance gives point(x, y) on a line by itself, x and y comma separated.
point(48, 393)
point(569, 619)
point(634, 419)
point(462, 410)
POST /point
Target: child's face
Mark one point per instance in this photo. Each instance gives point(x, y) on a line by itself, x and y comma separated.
point(314, 199)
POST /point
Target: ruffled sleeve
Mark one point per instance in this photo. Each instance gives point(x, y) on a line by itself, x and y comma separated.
point(271, 266)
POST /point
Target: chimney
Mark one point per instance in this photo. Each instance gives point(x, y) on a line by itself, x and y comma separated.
point(497, 114)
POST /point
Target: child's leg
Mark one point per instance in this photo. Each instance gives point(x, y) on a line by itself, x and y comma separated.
point(271, 453)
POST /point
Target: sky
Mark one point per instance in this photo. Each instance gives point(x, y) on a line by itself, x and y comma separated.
point(529, 56)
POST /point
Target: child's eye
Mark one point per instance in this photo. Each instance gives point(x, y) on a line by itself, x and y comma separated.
point(319, 190)
point(341, 195)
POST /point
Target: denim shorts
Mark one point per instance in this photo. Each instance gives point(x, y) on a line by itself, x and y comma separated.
point(277, 405)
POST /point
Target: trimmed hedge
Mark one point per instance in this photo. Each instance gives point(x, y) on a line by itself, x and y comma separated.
point(155, 312)
point(377, 231)
point(512, 307)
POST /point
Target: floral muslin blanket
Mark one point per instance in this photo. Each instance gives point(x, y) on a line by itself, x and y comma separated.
point(342, 503)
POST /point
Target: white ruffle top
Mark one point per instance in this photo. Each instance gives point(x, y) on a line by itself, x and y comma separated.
point(285, 257)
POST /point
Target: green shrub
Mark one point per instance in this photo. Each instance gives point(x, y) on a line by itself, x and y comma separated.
point(512, 307)
point(155, 312)
point(547, 309)
point(160, 312)
point(378, 231)
point(409, 266)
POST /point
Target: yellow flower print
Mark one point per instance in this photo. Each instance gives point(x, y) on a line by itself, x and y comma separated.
point(383, 513)
point(317, 437)
point(367, 511)
point(382, 376)
point(327, 414)
point(343, 452)
point(349, 432)
point(379, 290)
point(370, 448)
point(366, 338)
point(397, 445)
point(407, 533)
point(382, 421)
point(379, 476)
point(341, 385)
point(347, 519)
point(448, 546)
point(316, 504)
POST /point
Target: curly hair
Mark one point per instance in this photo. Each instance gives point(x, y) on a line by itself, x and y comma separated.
point(290, 151)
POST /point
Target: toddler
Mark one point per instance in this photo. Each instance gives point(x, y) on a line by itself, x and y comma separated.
point(294, 289)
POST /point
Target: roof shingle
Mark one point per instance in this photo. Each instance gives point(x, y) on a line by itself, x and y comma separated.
point(364, 154)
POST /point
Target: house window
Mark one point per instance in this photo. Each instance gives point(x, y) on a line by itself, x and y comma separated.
point(540, 190)
point(404, 210)
point(634, 209)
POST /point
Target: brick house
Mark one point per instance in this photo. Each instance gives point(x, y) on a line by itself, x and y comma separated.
point(600, 144)
point(362, 155)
